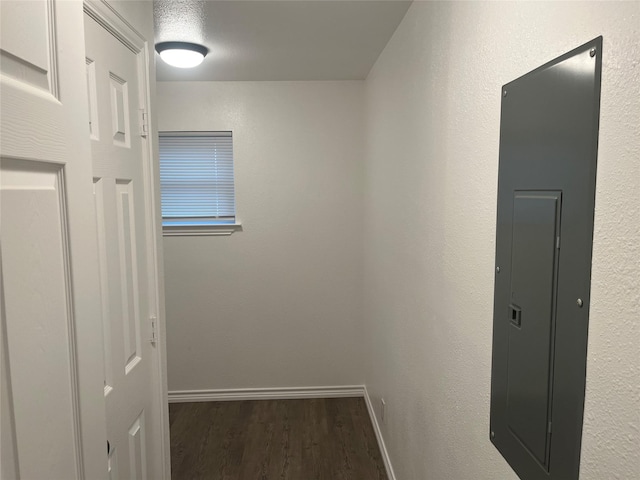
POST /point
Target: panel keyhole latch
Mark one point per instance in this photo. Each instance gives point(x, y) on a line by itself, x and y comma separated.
point(515, 315)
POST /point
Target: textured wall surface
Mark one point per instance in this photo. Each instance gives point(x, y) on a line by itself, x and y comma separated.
point(432, 113)
point(278, 304)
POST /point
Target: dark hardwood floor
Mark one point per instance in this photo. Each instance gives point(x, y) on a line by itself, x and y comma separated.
point(311, 439)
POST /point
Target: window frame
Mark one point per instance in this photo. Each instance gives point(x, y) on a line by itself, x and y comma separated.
point(194, 226)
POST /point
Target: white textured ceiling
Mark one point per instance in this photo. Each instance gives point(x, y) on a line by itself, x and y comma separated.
point(278, 40)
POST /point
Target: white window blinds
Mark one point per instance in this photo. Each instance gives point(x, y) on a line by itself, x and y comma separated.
point(196, 178)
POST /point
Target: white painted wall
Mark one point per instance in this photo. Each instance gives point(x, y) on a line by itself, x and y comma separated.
point(278, 304)
point(433, 112)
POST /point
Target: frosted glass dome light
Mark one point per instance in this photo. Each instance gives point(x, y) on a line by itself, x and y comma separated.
point(181, 54)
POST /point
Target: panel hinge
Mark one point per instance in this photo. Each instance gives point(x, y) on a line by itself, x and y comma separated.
point(144, 122)
point(549, 429)
point(557, 242)
point(154, 329)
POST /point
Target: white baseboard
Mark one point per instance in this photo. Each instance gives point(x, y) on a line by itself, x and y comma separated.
point(376, 428)
point(220, 395)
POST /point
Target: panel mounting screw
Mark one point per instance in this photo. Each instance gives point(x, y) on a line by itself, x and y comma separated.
point(592, 52)
point(497, 269)
point(493, 434)
point(579, 302)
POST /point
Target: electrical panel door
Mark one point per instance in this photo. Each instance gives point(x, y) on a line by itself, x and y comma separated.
point(546, 192)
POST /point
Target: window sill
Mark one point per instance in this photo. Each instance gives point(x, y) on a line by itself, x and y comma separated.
point(200, 230)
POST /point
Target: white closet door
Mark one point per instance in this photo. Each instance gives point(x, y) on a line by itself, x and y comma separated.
point(52, 403)
point(116, 79)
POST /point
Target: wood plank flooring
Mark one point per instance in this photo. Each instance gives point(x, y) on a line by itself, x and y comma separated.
point(311, 439)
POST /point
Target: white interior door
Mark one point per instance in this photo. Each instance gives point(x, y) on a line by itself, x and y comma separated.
point(117, 93)
point(52, 405)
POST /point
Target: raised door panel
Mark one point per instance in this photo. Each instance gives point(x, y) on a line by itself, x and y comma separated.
point(104, 191)
point(129, 283)
point(28, 43)
point(137, 449)
point(30, 72)
point(38, 314)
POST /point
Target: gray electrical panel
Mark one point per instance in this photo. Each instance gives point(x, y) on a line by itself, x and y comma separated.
point(546, 193)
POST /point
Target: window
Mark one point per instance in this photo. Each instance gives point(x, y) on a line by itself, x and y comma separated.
point(196, 183)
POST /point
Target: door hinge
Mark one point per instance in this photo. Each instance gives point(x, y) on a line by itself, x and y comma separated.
point(144, 123)
point(549, 429)
point(557, 242)
point(154, 329)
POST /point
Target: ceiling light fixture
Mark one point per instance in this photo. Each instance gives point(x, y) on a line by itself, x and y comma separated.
point(182, 54)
